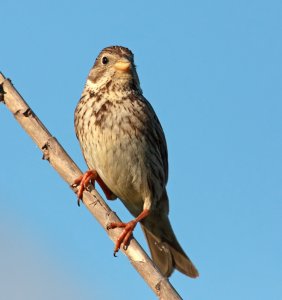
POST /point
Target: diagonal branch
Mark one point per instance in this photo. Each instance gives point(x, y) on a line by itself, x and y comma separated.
point(69, 171)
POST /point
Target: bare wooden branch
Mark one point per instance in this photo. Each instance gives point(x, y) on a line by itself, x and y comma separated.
point(69, 171)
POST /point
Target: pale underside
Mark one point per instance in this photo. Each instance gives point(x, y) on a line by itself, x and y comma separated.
point(122, 158)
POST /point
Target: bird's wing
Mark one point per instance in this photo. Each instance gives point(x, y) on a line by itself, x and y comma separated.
point(159, 139)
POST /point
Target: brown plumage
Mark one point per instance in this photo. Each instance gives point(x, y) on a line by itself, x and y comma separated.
point(122, 140)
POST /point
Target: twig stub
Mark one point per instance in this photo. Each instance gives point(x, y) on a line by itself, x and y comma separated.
point(2, 92)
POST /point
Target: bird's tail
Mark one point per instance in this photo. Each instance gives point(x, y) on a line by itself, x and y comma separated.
point(166, 252)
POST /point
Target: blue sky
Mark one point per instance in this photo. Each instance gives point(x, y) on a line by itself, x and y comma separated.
point(213, 72)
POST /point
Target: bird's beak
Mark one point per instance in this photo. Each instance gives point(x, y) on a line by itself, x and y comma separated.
point(122, 65)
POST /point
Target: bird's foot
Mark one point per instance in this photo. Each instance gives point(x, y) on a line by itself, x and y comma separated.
point(83, 181)
point(125, 235)
point(127, 230)
point(88, 177)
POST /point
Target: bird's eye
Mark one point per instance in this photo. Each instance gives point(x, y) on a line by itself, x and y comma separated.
point(105, 60)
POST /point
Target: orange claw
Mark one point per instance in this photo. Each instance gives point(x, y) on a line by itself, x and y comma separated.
point(127, 231)
point(88, 177)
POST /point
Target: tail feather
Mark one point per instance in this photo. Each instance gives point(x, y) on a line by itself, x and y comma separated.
point(166, 252)
point(161, 255)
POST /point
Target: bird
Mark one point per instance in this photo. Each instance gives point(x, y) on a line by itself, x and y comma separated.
point(125, 149)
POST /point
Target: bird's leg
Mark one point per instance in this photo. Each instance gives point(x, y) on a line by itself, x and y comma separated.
point(91, 176)
point(127, 231)
point(108, 193)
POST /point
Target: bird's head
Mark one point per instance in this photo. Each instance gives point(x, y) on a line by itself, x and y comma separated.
point(114, 65)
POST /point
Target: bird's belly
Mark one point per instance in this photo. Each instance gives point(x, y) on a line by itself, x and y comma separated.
point(120, 162)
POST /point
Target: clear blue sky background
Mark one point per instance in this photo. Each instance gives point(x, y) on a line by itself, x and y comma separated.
point(213, 72)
